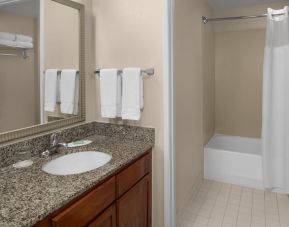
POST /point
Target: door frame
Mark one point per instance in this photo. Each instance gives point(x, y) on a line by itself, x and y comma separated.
point(169, 122)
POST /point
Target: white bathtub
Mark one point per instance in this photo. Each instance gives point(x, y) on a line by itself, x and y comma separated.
point(235, 160)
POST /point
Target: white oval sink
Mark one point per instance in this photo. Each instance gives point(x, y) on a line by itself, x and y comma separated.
point(76, 163)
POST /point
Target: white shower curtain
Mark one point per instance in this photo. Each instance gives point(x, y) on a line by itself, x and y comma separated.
point(275, 128)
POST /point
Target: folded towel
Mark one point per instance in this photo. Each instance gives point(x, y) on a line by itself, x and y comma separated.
point(7, 36)
point(17, 44)
point(69, 91)
point(7, 43)
point(24, 38)
point(131, 93)
point(51, 91)
point(110, 93)
point(24, 45)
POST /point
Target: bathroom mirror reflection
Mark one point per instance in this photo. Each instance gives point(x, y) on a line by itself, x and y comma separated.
point(39, 63)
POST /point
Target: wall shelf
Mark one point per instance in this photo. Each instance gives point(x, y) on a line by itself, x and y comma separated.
point(23, 54)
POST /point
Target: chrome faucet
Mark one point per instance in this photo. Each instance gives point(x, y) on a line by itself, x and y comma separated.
point(54, 145)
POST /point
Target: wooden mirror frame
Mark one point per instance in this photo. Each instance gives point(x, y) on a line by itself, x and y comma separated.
point(32, 130)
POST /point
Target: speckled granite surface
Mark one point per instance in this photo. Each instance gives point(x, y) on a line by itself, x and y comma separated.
point(29, 195)
point(40, 143)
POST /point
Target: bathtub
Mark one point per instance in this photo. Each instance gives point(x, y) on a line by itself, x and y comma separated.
point(234, 160)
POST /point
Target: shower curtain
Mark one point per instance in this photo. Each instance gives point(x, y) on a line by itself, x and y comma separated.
point(275, 125)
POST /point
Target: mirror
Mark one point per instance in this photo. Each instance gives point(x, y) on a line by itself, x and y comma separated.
point(41, 66)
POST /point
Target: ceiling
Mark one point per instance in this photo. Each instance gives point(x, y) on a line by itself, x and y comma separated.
point(225, 4)
point(21, 7)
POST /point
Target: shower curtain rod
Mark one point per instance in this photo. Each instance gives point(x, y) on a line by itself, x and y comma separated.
point(206, 19)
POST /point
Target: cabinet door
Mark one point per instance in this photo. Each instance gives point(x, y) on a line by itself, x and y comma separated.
point(106, 219)
point(134, 207)
point(88, 207)
point(132, 174)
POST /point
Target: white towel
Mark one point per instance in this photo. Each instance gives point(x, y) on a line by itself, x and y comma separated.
point(51, 91)
point(7, 36)
point(110, 93)
point(12, 40)
point(69, 91)
point(8, 43)
point(22, 44)
point(24, 38)
point(132, 97)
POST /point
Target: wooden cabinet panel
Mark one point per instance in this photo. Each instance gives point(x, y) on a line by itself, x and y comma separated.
point(106, 219)
point(88, 207)
point(132, 174)
point(133, 208)
point(128, 190)
point(43, 223)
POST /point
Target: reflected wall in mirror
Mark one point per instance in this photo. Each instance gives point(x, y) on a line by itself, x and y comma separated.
point(61, 52)
point(40, 75)
point(19, 78)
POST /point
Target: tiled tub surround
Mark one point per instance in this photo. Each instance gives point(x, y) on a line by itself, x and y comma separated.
point(28, 195)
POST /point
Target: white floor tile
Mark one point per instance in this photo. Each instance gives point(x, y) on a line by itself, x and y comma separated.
point(223, 205)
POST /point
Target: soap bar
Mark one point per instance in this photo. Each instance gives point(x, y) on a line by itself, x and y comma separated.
point(79, 143)
point(23, 164)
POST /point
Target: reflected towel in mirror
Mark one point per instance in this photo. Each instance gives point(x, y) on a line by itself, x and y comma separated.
point(69, 91)
point(50, 90)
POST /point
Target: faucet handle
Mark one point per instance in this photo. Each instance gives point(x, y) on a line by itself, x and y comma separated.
point(53, 140)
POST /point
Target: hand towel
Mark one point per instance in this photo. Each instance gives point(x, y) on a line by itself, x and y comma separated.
point(24, 45)
point(24, 38)
point(131, 94)
point(69, 91)
point(50, 90)
point(7, 36)
point(7, 43)
point(110, 93)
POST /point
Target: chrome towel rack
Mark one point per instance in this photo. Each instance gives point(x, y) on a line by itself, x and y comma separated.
point(145, 72)
point(23, 55)
point(59, 71)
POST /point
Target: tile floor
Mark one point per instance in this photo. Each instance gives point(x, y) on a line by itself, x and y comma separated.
point(224, 205)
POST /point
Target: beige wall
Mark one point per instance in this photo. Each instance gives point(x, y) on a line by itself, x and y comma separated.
point(238, 70)
point(129, 34)
point(239, 63)
point(208, 63)
point(189, 81)
point(61, 36)
point(18, 82)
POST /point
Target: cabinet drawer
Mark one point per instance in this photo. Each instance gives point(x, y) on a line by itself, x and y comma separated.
point(88, 207)
point(132, 174)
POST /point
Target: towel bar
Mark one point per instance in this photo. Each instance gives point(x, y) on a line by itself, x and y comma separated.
point(148, 72)
point(59, 71)
point(23, 55)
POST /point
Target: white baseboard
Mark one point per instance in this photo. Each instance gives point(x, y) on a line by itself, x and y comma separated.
point(236, 180)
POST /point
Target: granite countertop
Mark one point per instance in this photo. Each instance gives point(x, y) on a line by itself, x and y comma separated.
point(28, 195)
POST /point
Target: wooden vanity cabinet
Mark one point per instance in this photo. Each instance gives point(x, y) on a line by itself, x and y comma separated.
point(123, 200)
point(133, 208)
point(106, 219)
point(85, 209)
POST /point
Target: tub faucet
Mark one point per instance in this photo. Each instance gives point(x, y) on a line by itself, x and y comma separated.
point(54, 145)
